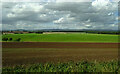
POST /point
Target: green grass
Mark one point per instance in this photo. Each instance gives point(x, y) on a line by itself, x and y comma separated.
point(0, 37)
point(73, 37)
point(83, 66)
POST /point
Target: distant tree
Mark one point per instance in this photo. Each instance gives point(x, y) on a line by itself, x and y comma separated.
point(10, 39)
point(30, 32)
point(5, 39)
point(18, 39)
point(39, 32)
point(16, 33)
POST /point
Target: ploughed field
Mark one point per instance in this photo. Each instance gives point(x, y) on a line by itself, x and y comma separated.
point(59, 57)
point(17, 53)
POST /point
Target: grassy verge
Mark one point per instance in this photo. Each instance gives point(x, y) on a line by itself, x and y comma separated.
point(83, 66)
point(73, 37)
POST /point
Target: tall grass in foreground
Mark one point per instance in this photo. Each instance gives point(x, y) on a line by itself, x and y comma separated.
point(83, 66)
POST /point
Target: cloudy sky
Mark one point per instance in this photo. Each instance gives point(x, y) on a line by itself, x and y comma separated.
point(97, 14)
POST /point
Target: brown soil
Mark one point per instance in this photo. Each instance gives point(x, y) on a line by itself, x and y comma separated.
point(57, 45)
point(15, 53)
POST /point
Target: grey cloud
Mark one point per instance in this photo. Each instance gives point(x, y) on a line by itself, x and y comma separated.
point(80, 15)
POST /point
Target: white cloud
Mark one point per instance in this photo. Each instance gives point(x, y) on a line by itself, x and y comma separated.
point(103, 5)
point(64, 20)
point(73, 0)
point(52, 0)
point(110, 14)
point(22, 7)
point(61, 20)
point(10, 15)
point(46, 0)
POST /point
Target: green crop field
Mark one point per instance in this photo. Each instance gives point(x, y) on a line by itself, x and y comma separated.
point(70, 37)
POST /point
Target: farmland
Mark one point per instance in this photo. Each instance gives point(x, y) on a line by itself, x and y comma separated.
point(72, 37)
point(60, 53)
point(89, 57)
point(60, 59)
